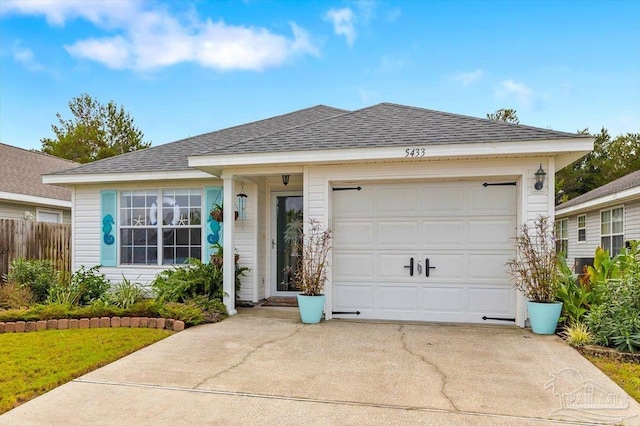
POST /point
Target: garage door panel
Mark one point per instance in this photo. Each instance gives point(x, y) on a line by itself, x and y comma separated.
point(447, 267)
point(351, 234)
point(490, 232)
point(397, 298)
point(492, 301)
point(392, 266)
point(442, 233)
point(353, 203)
point(438, 200)
point(397, 202)
point(354, 266)
point(489, 266)
point(443, 299)
point(492, 200)
point(401, 234)
point(353, 296)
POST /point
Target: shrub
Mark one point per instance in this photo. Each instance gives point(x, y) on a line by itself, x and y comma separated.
point(92, 283)
point(145, 308)
point(186, 282)
point(53, 311)
point(126, 293)
point(13, 296)
point(575, 295)
point(213, 310)
point(190, 313)
point(577, 334)
point(37, 275)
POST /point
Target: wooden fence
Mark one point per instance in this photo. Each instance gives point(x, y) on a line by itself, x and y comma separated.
point(35, 240)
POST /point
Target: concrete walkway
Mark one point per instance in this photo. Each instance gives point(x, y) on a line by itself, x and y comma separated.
point(264, 367)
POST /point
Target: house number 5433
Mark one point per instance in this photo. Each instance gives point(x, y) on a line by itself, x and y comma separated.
point(414, 152)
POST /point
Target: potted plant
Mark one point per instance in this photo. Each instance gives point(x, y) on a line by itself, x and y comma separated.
point(535, 273)
point(311, 274)
point(217, 213)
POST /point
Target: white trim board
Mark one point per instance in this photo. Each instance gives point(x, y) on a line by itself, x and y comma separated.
point(32, 199)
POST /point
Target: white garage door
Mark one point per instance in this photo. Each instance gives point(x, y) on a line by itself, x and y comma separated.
point(462, 231)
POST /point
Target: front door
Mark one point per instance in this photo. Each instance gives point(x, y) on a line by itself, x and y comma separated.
point(287, 210)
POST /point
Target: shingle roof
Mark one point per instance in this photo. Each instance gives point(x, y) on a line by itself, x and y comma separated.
point(631, 180)
point(323, 127)
point(21, 170)
point(173, 156)
point(386, 125)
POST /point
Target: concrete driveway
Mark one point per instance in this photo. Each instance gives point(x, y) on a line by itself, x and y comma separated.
point(264, 367)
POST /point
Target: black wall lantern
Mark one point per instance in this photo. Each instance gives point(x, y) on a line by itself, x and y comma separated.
point(540, 174)
point(285, 180)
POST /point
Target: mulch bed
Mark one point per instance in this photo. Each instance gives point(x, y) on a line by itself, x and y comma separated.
point(609, 353)
point(291, 302)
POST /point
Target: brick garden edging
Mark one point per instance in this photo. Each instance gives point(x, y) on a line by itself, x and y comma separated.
point(104, 322)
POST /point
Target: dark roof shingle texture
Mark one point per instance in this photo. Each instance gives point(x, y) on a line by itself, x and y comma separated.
point(324, 128)
point(629, 181)
point(21, 170)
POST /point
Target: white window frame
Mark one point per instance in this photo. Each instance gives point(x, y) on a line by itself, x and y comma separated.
point(579, 228)
point(562, 225)
point(611, 234)
point(159, 227)
point(49, 211)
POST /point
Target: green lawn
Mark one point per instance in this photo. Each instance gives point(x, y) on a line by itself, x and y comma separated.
point(625, 374)
point(34, 363)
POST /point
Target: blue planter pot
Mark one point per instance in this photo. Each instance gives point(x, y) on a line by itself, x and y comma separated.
point(311, 308)
point(544, 316)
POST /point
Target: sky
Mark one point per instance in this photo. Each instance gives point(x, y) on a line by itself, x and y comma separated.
point(183, 68)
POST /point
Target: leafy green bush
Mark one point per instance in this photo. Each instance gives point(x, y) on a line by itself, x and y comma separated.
point(615, 320)
point(37, 275)
point(190, 313)
point(213, 310)
point(186, 282)
point(126, 293)
point(13, 296)
point(577, 334)
point(145, 308)
point(92, 283)
point(576, 296)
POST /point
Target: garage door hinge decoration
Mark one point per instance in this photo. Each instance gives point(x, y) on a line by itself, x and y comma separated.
point(345, 313)
point(485, 318)
point(499, 184)
point(353, 188)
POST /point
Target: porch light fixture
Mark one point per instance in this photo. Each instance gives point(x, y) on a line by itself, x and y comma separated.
point(242, 203)
point(540, 174)
point(285, 180)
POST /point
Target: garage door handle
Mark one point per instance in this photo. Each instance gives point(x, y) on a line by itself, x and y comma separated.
point(427, 267)
point(410, 266)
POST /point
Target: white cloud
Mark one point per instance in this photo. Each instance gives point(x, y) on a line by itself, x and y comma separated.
point(26, 58)
point(343, 23)
point(523, 94)
point(148, 38)
point(466, 78)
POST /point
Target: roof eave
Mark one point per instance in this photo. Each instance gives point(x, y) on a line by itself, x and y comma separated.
point(34, 199)
point(89, 178)
point(566, 150)
point(600, 202)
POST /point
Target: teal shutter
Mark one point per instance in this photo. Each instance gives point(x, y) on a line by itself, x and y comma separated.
point(212, 196)
point(108, 214)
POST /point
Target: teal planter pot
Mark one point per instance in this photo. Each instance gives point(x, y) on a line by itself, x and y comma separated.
point(311, 308)
point(544, 316)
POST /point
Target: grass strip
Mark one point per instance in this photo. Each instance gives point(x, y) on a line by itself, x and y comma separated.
point(34, 363)
point(625, 374)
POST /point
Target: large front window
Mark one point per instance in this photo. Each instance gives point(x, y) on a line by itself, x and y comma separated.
point(612, 230)
point(160, 226)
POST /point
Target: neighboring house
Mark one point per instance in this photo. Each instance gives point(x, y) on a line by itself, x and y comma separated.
point(608, 216)
point(22, 193)
point(423, 205)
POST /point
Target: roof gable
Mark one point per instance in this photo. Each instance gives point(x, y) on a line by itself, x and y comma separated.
point(21, 173)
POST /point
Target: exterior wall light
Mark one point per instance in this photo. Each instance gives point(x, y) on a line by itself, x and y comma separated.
point(285, 180)
point(540, 174)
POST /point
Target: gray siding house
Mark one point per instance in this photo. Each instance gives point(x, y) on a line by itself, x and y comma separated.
point(608, 217)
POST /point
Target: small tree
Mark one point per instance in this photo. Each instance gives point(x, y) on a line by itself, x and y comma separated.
point(97, 131)
point(507, 115)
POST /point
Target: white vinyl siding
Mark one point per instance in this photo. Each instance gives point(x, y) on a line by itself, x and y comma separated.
point(87, 232)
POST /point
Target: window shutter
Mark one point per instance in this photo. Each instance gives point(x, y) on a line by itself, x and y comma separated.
point(213, 230)
point(108, 246)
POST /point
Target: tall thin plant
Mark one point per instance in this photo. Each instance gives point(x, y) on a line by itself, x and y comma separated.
point(535, 267)
point(314, 246)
